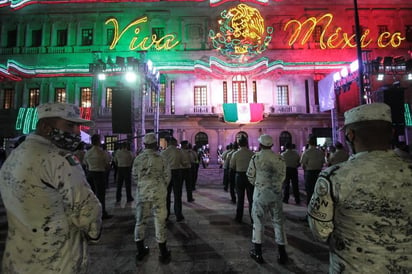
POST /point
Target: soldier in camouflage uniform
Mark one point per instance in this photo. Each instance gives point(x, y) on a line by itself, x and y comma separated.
point(362, 207)
point(51, 211)
point(152, 176)
point(267, 171)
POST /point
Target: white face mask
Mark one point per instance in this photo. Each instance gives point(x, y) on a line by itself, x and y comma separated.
point(65, 140)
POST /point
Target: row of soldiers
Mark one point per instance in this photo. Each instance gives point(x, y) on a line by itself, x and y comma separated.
point(312, 160)
point(259, 174)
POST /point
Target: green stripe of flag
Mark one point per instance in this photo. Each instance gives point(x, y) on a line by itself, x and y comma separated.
point(230, 112)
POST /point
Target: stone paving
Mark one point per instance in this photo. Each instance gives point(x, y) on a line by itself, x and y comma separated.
point(208, 240)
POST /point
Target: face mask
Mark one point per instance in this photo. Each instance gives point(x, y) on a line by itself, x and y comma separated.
point(65, 140)
point(350, 144)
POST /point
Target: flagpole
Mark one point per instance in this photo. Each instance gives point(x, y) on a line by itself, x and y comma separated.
point(359, 54)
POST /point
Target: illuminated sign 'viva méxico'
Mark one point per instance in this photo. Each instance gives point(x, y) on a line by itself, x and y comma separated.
point(166, 42)
point(338, 38)
point(331, 37)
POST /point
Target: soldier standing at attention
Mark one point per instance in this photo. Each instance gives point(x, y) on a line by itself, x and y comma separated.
point(239, 164)
point(267, 172)
point(187, 176)
point(98, 162)
point(123, 160)
point(292, 158)
point(362, 207)
point(312, 161)
point(226, 166)
point(152, 176)
point(174, 158)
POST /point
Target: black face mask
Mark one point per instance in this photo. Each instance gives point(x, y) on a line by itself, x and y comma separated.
point(350, 144)
point(65, 140)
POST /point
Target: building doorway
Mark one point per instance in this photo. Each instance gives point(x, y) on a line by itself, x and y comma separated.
point(284, 138)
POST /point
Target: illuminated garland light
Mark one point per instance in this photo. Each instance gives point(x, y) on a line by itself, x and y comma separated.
point(242, 33)
point(214, 3)
point(20, 118)
point(408, 118)
point(34, 120)
point(26, 120)
point(302, 32)
point(18, 4)
point(6, 74)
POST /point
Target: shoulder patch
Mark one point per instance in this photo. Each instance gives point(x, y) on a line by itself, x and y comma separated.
point(72, 159)
point(321, 204)
point(329, 171)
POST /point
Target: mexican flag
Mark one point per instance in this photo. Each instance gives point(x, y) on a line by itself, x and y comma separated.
point(243, 113)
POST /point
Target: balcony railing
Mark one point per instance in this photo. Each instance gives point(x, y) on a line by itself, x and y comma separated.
point(152, 110)
point(201, 109)
point(282, 109)
point(105, 112)
point(204, 110)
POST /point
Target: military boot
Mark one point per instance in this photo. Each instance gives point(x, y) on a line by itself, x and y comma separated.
point(282, 257)
point(142, 250)
point(165, 254)
point(256, 253)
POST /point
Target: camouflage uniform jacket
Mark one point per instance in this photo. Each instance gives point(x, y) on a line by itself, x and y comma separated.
point(152, 175)
point(363, 208)
point(267, 172)
point(51, 210)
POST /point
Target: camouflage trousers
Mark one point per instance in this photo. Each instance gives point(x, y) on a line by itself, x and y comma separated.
point(144, 211)
point(260, 209)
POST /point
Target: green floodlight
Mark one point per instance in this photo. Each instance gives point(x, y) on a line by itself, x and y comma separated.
point(28, 120)
point(20, 118)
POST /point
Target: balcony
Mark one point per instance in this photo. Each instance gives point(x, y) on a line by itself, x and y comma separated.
point(152, 110)
point(207, 110)
point(105, 112)
point(194, 110)
point(9, 51)
point(286, 109)
point(201, 110)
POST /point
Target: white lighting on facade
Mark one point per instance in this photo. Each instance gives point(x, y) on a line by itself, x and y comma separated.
point(101, 76)
point(354, 66)
point(336, 76)
point(149, 66)
point(380, 77)
point(344, 72)
point(130, 77)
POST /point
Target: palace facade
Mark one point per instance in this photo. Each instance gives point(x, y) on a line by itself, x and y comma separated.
point(205, 70)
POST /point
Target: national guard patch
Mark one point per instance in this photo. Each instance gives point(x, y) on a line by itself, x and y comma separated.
point(321, 205)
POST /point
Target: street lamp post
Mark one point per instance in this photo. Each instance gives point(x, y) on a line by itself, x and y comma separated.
point(95, 104)
point(143, 111)
point(157, 113)
point(359, 55)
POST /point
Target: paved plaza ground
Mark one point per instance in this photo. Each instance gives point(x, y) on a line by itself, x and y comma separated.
point(207, 241)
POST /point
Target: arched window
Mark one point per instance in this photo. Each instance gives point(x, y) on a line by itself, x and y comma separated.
point(284, 137)
point(201, 139)
point(239, 89)
point(240, 134)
